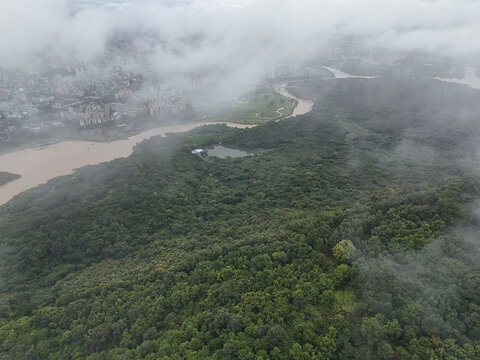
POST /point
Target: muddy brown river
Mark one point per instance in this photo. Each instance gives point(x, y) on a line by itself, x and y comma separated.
point(38, 165)
point(303, 106)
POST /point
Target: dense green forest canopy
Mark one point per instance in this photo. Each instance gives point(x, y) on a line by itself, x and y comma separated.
point(351, 233)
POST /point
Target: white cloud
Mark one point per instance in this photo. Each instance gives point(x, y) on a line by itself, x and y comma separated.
point(238, 31)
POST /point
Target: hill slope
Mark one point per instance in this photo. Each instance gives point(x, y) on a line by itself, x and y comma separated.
point(336, 240)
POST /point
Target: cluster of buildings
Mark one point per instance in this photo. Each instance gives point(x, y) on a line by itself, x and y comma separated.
point(6, 127)
point(77, 98)
point(167, 104)
point(94, 114)
point(123, 94)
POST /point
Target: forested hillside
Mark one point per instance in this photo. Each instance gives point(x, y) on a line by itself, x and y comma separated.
point(346, 235)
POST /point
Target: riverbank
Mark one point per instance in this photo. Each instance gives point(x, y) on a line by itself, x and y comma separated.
point(38, 165)
point(339, 74)
point(256, 107)
point(302, 107)
point(6, 177)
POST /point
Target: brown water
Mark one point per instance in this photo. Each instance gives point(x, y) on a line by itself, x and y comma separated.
point(38, 165)
point(303, 106)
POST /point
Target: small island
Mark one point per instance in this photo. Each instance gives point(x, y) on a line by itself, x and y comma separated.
point(6, 177)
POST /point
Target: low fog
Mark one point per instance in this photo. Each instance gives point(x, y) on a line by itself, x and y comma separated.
point(240, 36)
point(104, 70)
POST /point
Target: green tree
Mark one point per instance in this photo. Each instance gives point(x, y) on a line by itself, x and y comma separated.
point(344, 250)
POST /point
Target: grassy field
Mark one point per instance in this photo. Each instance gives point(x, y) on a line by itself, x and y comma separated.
point(259, 107)
point(6, 177)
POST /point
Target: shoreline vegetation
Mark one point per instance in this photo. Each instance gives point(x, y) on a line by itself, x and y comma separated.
point(262, 105)
point(45, 162)
point(294, 252)
point(6, 177)
point(39, 165)
point(254, 107)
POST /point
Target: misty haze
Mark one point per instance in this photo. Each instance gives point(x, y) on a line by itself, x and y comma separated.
point(240, 179)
